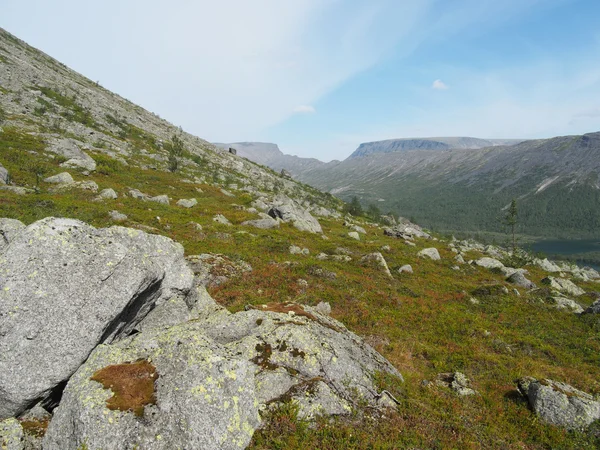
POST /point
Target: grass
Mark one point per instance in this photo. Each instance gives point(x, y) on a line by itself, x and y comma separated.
point(132, 385)
point(423, 322)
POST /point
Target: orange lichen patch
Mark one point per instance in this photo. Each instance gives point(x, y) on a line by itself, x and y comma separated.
point(34, 427)
point(132, 385)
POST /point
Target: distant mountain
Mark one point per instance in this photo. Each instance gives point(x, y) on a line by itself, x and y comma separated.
point(555, 181)
point(271, 156)
point(441, 143)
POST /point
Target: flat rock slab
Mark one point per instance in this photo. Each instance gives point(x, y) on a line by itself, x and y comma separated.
point(68, 287)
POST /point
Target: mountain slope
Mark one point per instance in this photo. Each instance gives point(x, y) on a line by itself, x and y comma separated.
point(556, 182)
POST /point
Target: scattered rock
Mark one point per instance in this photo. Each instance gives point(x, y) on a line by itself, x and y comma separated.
point(187, 203)
point(138, 195)
point(431, 253)
point(406, 230)
point(18, 190)
point(566, 304)
point(407, 268)
point(354, 235)
point(563, 285)
point(594, 308)
point(546, 265)
point(61, 178)
point(4, 177)
point(101, 283)
point(456, 381)
point(560, 404)
point(107, 194)
point(488, 263)
point(323, 308)
point(294, 250)
point(518, 279)
point(378, 259)
point(220, 218)
point(386, 248)
point(321, 273)
point(289, 211)
point(162, 199)
point(71, 150)
point(214, 269)
point(263, 224)
point(117, 216)
point(227, 193)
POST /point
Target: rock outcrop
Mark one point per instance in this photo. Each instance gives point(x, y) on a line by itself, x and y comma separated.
point(559, 403)
point(289, 211)
point(68, 287)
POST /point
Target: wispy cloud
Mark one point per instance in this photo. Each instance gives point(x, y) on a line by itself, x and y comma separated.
point(439, 85)
point(305, 109)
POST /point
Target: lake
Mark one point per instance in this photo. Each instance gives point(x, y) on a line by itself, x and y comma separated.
point(568, 247)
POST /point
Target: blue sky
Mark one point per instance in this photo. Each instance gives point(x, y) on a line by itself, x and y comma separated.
point(318, 77)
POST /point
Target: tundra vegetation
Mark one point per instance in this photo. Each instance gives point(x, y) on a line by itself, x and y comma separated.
point(425, 322)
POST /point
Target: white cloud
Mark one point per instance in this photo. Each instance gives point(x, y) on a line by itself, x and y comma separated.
point(439, 85)
point(305, 109)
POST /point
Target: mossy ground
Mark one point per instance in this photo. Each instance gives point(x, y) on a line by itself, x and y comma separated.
point(423, 323)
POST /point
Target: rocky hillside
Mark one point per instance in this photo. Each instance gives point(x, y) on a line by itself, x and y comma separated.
point(157, 292)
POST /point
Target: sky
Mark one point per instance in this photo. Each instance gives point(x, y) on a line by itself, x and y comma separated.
point(319, 77)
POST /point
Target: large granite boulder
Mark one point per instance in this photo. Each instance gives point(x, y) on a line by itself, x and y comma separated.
point(202, 396)
point(563, 285)
point(559, 403)
point(71, 149)
point(67, 287)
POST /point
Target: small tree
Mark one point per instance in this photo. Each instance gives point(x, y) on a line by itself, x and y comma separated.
point(511, 220)
point(374, 213)
point(176, 149)
point(354, 207)
point(38, 170)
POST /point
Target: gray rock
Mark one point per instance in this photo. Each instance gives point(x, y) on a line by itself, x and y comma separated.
point(295, 250)
point(323, 308)
point(298, 216)
point(71, 149)
point(4, 177)
point(107, 194)
point(321, 349)
point(61, 178)
point(162, 199)
point(518, 279)
point(406, 230)
point(227, 193)
point(563, 285)
point(187, 203)
point(488, 263)
point(9, 228)
point(407, 268)
point(117, 216)
point(213, 269)
point(566, 304)
point(459, 259)
point(220, 218)
point(594, 308)
point(547, 265)
point(68, 287)
point(560, 404)
point(354, 235)
point(205, 397)
point(11, 435)
point(431, 253)
point(378, 259)
point(263, 224)
point(18, 190)
point(76, 163)
point(456, 381)
point(138, 195)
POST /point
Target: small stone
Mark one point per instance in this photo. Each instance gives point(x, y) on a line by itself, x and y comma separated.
point(354, 235)
point(187, 203)
point(407, 268)
point(117, 216)
point(61, 178)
